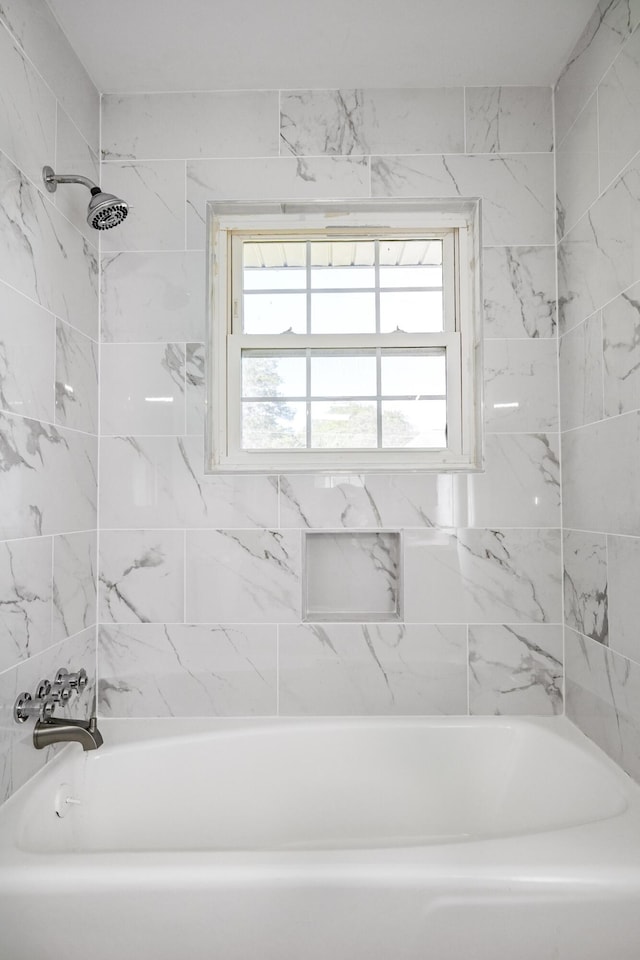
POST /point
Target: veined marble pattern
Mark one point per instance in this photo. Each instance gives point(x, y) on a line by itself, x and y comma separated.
point(619, 111)
point(27, 356)
point(27, 112)
point(623, 577)
point(47, 480)
point(508, 119)
point(601, 476)
point(25, 598)
point(353, 576)
point(519, 288)
point(153, 296)
point(581, 374)
point(141, 576)
point(585, 584)
point(621, 353)
point(155, 191)
point(482, 576)
point(243, 576)
point(346, 669)
point(602, 697)
point(351, 122)
point(196, 387)
point(43, 255)
point(516, 190)
point(520, 386)
point(76, 379)
point(515, 669)
point(73, 154)
point(160, 482)
point(74, 583)
point(577, 171)
point(38, 33)
point(375, 500)
point(176, 125)
point(598, 258)
point(269, 179)
point(612, 22)
point(153, 670)
point(520, 485)
point(142, 388)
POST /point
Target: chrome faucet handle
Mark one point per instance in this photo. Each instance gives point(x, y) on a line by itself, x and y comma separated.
point(25, 707)
point(60, 692)
point(77, 680)
point(43, 689)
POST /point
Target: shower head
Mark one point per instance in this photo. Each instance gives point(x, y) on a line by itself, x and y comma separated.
point(105, 210)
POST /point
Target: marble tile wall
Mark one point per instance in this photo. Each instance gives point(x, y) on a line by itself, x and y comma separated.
point(49, 333)
point(201, 586)
point(597, 110)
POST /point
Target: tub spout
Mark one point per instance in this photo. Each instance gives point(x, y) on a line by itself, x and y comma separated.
point(57, 730)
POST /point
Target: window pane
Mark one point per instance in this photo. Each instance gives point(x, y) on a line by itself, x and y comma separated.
point(273, 425)
point(273, 265)
point(344, 424)
point(343, 313)
point(414, 373)
point(411, 312)
point(280, 278)
point(414, 423)
point(342, 263)
point(411, 277)
point(343, 375)
point(271, 375)
point(395, 253)
point(274, 313)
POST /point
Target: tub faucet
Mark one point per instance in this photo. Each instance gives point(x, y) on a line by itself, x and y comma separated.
point(56, 730)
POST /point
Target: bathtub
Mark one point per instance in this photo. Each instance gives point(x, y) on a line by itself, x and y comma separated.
point(375, 839)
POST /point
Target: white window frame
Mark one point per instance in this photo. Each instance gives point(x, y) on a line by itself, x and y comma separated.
point(231, 222)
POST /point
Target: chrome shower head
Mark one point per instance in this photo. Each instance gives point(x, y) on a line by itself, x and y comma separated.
point(105, 210)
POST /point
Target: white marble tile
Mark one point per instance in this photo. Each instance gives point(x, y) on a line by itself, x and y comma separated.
point(196, 387)
point(74, 155)
point(585, 584)
point(169, 670)
point(27, 113)
point(243, 576)
point(482, 576)
point(154, 191)
point(356, 500)
point(520, 386)
point(347, 669)
point(515, 670)
point(519, 290)
point(623, 577)
point(352, 576)
point(34, 26)
point(141, 576)
point(619, 111)
point(266, 179)
point(142, 388)
point(27, 356)
point(148, 297)
point(48, 480)
point(25, 598)
point(160, 482)
point(581, 374)
point(352, 122)
point(516, 190)
point(160, 126)
point(519, 487)
point(508, 119)
point(577, 180)
point(74, 583)
point(601, 476)
point(43, 255)
point(621, 353)
point(609, 26)
point(76, 379)
point(602, 697)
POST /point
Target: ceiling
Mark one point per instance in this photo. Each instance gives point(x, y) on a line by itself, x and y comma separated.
point(156, 45)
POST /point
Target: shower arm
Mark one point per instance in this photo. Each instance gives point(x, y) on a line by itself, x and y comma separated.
point(52, 180)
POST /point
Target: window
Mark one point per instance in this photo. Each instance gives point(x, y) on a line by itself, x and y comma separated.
point(344, 336)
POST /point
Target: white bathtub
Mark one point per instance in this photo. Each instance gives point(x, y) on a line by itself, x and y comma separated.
point(403, 839)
